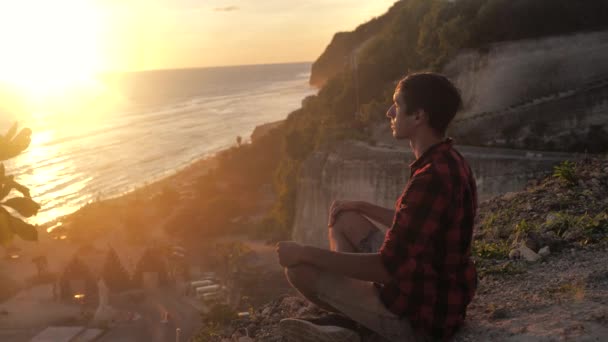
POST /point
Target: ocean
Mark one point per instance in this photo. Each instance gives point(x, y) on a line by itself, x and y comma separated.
point(168, 120)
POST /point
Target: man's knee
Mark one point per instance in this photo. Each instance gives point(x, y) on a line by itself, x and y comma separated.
point(347, 220)
point(302, 276)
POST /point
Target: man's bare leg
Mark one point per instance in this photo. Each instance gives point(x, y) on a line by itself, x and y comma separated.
point(348, 231)
point(345, 236)
point(301, 277)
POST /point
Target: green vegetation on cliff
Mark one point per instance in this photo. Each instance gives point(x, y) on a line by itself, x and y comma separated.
point(423, 33)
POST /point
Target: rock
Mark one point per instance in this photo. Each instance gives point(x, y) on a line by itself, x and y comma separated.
point(532, 241)
point(245, 339)
point(291, 303)
point(544, 252)
point(266, 311)
point(514, 254)
point(501, 313)
point(509, 196)
point(528, 254)
point(252, 329)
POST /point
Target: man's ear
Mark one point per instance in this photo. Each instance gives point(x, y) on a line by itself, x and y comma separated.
point(421, 115)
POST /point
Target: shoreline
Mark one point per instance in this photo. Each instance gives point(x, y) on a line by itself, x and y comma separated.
point(178, 180)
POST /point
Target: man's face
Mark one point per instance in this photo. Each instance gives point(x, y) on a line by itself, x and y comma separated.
point(402, 124)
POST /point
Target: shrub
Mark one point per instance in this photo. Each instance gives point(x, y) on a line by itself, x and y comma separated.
point(490, 250)
point(566, 172)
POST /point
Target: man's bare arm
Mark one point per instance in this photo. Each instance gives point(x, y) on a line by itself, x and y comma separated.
point(379, 214)
point(362, 266)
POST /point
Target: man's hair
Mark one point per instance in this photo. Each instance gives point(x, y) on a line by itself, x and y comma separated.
point(434, 94)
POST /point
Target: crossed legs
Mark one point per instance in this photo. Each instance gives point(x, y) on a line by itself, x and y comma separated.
point(349, 230)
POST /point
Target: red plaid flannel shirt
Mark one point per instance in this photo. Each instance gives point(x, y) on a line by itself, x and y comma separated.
point(427, 250)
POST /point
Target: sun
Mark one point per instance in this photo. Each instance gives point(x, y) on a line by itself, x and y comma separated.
point(49, 48)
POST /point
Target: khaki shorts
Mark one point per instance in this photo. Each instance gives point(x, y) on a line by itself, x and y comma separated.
point(360, 301)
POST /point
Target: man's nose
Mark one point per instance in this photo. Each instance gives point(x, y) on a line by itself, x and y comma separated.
point(392, 112)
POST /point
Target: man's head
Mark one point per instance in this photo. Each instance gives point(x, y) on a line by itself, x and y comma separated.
point(424, 103)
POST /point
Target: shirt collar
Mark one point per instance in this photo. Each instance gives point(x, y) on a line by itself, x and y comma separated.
point(432, 151)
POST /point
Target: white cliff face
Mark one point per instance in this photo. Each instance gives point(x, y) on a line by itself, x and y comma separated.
point(356, 171)
point(511, 72)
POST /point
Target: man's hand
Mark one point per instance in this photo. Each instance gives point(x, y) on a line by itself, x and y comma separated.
point(337, 207)
point(290, 253)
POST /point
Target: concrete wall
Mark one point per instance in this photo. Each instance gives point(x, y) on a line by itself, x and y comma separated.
point(357, 171)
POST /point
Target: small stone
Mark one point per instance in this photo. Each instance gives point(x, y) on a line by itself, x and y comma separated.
point(501, 313)
point(266, 311)
point(509, 196)
point(544, 252)
point(528, 254)
point(514, 254)
point(531, 241)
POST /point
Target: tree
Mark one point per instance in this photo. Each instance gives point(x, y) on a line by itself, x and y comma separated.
point(11, 145)
point(152, 261)
point(114, 273)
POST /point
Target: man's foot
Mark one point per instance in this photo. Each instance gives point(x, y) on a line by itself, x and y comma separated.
point(319, 330)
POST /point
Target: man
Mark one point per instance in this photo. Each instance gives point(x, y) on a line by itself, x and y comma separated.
point(414, 282)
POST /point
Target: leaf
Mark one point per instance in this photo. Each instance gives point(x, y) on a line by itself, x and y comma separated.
point(11, 132)
point(10, 184)
point(24, 230)
point(18, 144)
point(25, 206)
point(21, 188)
point(6, 234)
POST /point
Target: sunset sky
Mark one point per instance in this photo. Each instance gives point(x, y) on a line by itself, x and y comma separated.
point(159, 34)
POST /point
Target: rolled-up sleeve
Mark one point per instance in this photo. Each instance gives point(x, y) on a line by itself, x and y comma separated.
point(417, 219)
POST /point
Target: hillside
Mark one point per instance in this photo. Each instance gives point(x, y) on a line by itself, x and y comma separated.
point(541, 256)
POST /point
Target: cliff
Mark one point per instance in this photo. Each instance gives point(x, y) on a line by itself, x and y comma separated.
point(342, 46)
point(547, 94)
point(512, 73)
point(572, 120)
